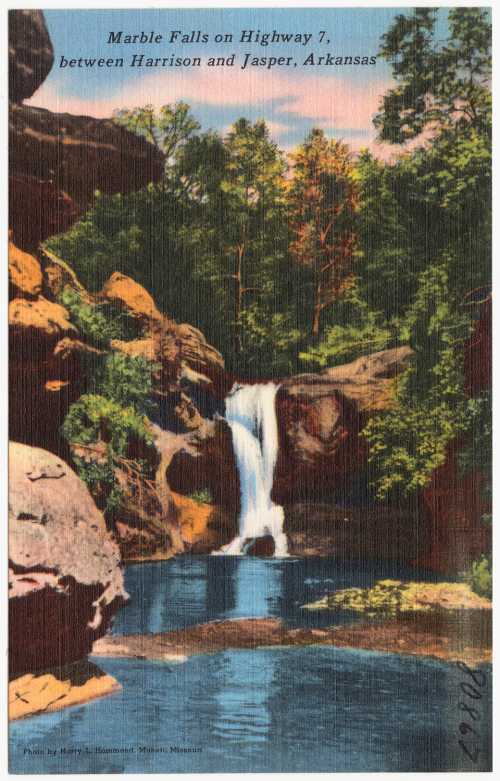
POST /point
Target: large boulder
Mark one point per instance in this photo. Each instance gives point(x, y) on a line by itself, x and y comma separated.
point(320, 418)
point(127, 294)
point(208, 464)
point(369, 381)
point(40, 319)
point(38, 209)
point(30, 53)
point(65, 581)
point(45, 375)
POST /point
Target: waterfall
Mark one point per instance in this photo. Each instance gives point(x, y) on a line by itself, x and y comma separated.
point(251, 415)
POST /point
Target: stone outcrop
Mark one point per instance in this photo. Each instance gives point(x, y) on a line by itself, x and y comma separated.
point(58, 161)
point(208, 464)
point(51, 365)
point(25, 274)
point(65, 581)
point(180, 349)
point(46, 357)
point(38, 209)
point(458, 502)
point(129, 295)
point(320, 417)
point(204, 527)
point(50, 359)
point(319, 443)
point(52, 690)
point(31, 320)
point(368, 381)
point(30, 53)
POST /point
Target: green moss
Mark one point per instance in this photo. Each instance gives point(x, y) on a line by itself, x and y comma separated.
point(391, 597)
point(201, 496)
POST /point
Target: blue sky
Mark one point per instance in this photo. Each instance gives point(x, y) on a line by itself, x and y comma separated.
point(341, 99)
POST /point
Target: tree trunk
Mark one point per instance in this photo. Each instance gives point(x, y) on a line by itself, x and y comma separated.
point(238, 295)
point(316, 313)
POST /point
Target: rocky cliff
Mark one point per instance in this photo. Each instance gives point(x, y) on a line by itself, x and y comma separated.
point(58, 161)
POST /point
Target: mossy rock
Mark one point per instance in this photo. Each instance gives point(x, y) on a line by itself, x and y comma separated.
point(391, 597)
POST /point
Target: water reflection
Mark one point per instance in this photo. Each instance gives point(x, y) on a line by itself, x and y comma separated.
point(250, 587)
point(195, 589)
point(242, 711)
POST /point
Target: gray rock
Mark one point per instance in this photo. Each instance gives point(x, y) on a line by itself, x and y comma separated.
point(65, 580)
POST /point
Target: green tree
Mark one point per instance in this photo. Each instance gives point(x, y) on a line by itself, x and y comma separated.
point(409, 441)
point(168, 129)
point(439, 84)
point(239, 225)
point(323, 203)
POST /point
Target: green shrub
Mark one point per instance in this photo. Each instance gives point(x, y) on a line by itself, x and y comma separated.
point(201, 496)
point(110, 432)
point(480, 577)
point(89, 319)
point(409, 441)
point(361, 330)
point(128, 381)
point(99, 324)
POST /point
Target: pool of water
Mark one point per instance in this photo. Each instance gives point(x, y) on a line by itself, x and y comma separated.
point(279, 709)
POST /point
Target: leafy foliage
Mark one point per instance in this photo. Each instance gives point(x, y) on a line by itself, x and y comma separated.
point(409, 441)
point(128, 381)
point(201, 496)
point(393, 597)
point(95, 421)
point(323, 204)
point(359, 330)
point(438, 84)
point(480, 577)
point(110, 423)
point(167, 129)
point(90, 319)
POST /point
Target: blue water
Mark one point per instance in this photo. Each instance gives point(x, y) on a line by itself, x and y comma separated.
point(279, 709)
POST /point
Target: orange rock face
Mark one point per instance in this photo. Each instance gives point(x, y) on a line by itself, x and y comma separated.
point(40, 318)
point(204, 527)
point(125, 292)
point(25, 274)
point(30, 695)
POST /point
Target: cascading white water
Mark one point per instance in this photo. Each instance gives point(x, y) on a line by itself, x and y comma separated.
point(251, 415)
